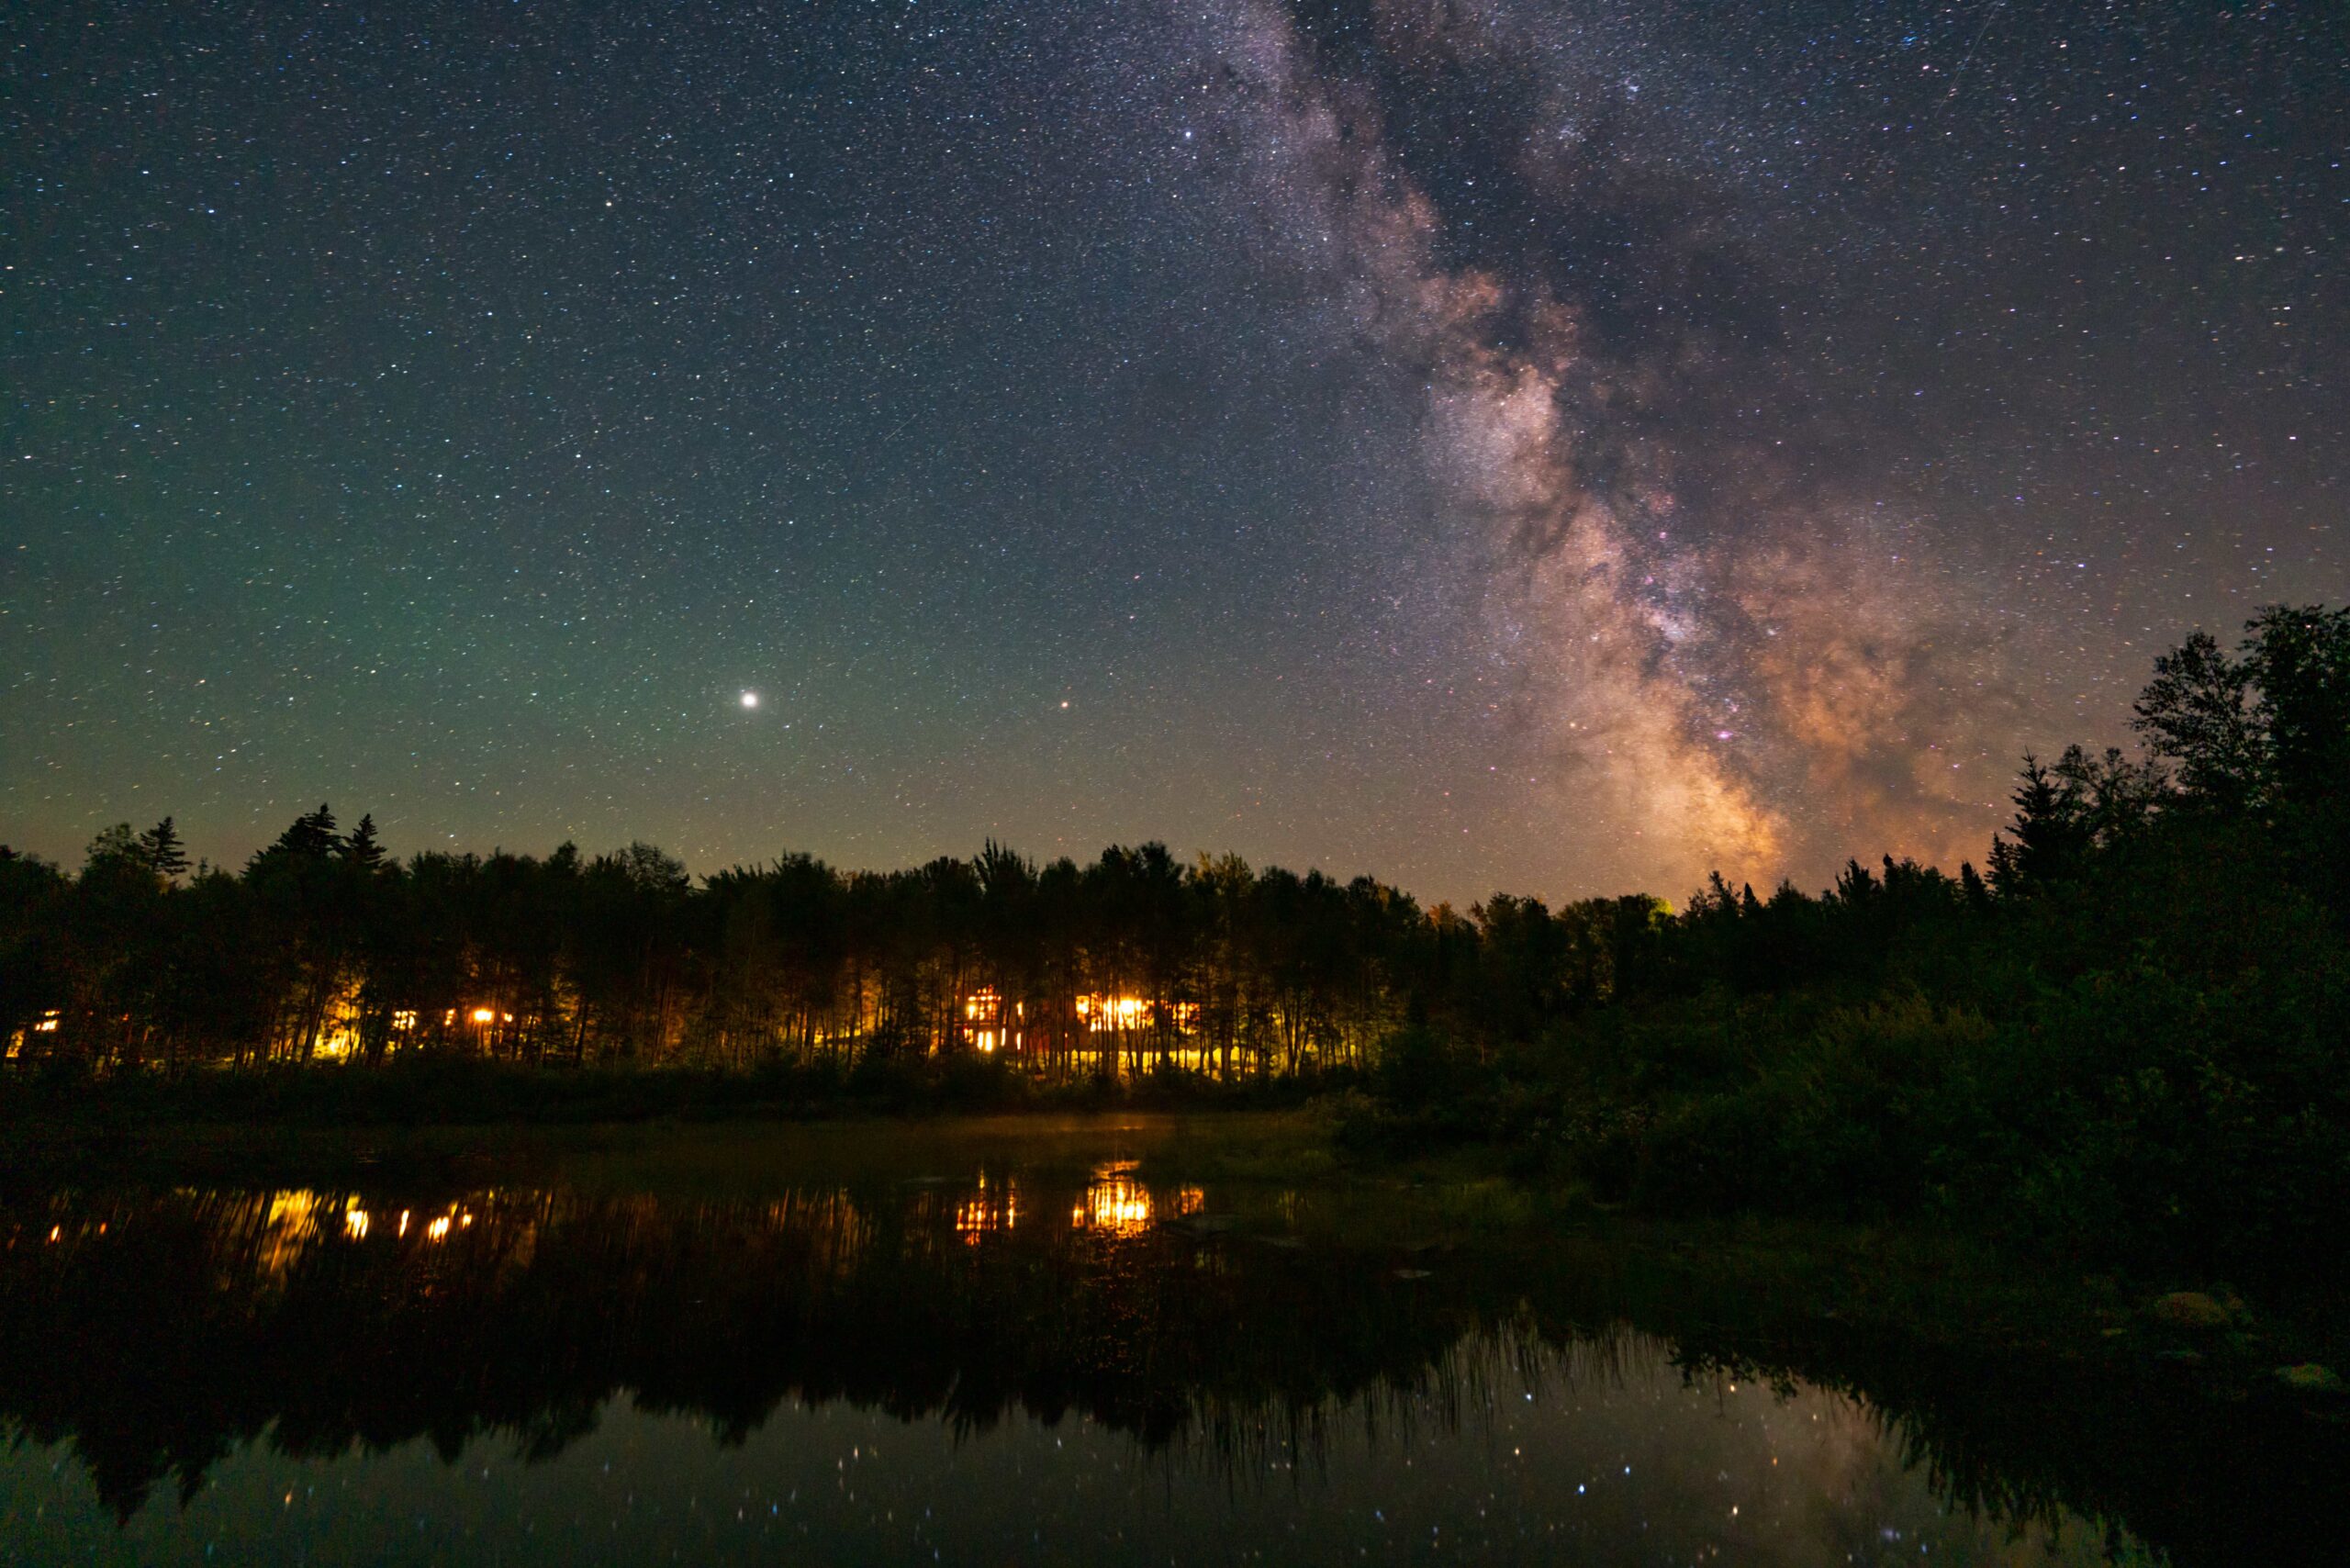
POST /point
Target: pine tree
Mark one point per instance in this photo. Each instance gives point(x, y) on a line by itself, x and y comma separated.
point(161, 846)
point(2049, 833)
point(310, 838)
point(362, 848)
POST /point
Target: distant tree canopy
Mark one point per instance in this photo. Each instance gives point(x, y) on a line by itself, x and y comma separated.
point(324, 947)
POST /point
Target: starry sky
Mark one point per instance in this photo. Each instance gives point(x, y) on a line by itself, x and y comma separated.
point(1556, 446)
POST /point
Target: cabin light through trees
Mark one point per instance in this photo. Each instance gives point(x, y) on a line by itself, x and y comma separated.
point(49, 1022)
point(983, 1019)
point(989, 1024)
point(1102, 1012)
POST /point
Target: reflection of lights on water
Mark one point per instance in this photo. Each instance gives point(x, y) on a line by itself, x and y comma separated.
point(357, 1222)
point(289, 1229)
point(1116, 1203)
point(988, 1210)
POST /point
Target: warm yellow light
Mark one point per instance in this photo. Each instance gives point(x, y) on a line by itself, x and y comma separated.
point(405, 1019)
point(355, 1223)
point(991, 1209)
point(484, 1015)
point(1112, 1012)
point(49, 1022)
point(437, 1229)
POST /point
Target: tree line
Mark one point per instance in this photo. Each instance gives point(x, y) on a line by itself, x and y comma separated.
point(323, 946)
point(2129, 1036)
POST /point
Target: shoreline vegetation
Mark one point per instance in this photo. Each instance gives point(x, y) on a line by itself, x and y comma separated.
point(2123, 1048)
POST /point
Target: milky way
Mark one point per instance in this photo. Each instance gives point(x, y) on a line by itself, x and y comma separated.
point(1714, 651)
point(1497, 443)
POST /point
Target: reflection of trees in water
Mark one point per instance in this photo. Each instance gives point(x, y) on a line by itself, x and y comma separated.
point(158, 1331)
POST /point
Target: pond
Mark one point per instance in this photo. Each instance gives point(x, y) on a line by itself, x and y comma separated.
point(1066, 1358)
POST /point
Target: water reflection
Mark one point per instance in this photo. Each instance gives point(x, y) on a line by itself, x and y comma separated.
point(1164, 1343)
point(1116, 1204)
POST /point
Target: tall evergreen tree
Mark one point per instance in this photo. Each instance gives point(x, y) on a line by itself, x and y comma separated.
point(311, 838)
point(161, 846)
point(362, 848)
point(2048, 834)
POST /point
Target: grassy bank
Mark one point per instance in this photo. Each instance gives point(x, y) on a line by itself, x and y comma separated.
point(65, 1126)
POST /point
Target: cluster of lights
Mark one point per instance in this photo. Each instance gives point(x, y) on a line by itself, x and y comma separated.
point(988, 1211)
point(1101, 1013)
point(1118, 1204)
point(357, 1222)
point(985, 1007)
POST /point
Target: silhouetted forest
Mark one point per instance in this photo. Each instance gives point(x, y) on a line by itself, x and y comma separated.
point(2128, 1027)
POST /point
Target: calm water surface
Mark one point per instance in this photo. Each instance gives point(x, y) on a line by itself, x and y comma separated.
point(1005, 1363)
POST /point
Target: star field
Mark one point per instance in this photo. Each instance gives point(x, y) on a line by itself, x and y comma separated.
point(1546, 445)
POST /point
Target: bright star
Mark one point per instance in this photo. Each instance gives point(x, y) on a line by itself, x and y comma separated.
point(750, 699)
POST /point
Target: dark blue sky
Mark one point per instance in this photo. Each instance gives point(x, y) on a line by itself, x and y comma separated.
point(1547, 447)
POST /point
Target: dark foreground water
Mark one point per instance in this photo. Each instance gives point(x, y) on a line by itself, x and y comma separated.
point(1025, 1363)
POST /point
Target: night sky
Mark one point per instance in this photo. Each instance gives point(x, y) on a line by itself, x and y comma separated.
point(1552, 446)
